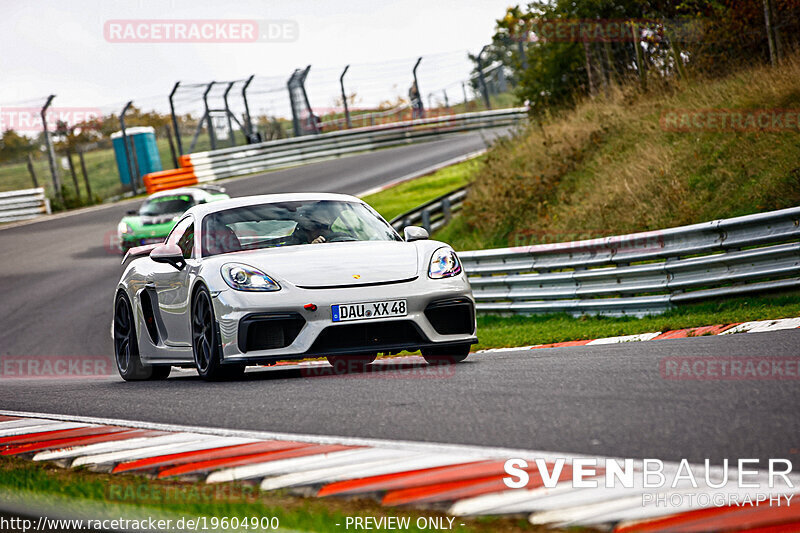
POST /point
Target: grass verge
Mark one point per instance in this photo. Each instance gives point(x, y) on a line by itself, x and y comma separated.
point(410, 194)
point(502, 332)
point(92, 495)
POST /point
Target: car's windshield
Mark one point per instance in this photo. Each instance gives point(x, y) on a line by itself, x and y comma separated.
point(166, 205)
point(292, 223)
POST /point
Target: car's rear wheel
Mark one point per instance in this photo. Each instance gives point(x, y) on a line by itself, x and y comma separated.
point(126, 348)
point(205, 341)
point(350, 363)
point(447, 355)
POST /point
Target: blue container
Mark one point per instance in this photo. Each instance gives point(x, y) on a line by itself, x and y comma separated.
point(143, 140)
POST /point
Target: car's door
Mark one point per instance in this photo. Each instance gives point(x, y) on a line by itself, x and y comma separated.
point(172, 287)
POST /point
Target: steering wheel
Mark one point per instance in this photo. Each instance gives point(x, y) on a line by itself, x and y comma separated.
point(340, 236)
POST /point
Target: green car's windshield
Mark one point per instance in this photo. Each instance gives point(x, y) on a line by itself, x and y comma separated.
point(166, 205)
point(292, 223)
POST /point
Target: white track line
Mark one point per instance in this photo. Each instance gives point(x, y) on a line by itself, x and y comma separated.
point(40, 428)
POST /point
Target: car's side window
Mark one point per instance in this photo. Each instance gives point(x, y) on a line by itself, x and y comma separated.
point(186, 242)
point(179, 231)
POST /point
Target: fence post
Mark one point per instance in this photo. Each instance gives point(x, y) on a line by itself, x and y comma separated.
point(247, 118)
point(51, 154)
point(228, 112)
point(133, 175)
point(344, 98)
point(419, 93)
point(175, 122)
point(482, 78)
point(637, 48)
point(209, 123)
point(32, 171)
point(168, 131)
point(86, 175)
point(71, 164)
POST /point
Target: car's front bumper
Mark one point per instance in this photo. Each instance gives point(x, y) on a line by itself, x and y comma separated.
point(235, 309)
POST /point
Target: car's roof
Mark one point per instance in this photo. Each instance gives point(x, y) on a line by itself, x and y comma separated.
point(203, 209)
point(193, 191)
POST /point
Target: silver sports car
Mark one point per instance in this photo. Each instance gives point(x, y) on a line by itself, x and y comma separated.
point(256, 280)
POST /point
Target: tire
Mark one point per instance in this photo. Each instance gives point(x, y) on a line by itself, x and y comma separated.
point(161, 372)
point(448, 355)
point(126, 348)
point(343, 364)
point(205, 341)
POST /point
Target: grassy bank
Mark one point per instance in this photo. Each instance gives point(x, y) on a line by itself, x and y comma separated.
point(501, 332)
point(609, 167)
point(406, 196)
point(78, 493)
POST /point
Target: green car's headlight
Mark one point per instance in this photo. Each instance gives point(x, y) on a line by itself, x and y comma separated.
point(124, 228)
point(246, 278)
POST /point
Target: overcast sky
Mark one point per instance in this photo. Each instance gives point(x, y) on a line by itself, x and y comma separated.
point(58, 47)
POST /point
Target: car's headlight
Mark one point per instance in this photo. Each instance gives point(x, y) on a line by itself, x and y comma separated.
point(444, 264)
point(124, 228)
point(246, 278)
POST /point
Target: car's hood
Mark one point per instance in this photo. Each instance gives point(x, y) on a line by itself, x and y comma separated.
point(335, 264)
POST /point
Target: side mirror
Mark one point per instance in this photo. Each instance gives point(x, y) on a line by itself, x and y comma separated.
point(415, 233)
point(132, 212)
point(170, 254)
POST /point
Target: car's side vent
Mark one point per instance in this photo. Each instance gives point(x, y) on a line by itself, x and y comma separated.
point(451, 317)
point(269, 331)
point(147, 298)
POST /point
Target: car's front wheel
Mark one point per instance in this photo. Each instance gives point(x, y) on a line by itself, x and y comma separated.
point(205, 341)
point(126, 348)
point(447, 355)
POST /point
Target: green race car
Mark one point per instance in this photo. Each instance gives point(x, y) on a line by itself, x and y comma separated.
point(158, 214)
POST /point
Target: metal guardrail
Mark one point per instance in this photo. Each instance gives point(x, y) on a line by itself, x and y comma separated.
point(23, 204)
point(432, 215)
point(642, 273)
point(237, 161)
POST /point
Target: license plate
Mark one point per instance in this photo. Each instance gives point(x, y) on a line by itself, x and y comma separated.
point(153, 240)
point(367, 311)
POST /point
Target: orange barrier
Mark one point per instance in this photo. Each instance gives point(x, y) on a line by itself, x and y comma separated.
point(169, 179)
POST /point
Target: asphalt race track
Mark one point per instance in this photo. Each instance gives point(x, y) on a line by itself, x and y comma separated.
point(602, 400)
point(57, 284)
